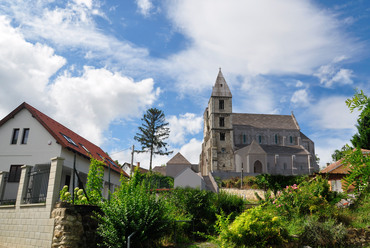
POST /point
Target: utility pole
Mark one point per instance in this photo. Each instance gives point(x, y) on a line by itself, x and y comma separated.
point(132, 159)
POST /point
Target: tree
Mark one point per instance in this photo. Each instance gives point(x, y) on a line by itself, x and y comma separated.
point(338, 154)
point(152, 133)
point(361, 102)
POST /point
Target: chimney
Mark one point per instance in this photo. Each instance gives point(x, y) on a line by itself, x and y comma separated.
point(327, 164)
point(138, 164)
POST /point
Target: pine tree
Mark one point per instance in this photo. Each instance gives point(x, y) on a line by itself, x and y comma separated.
point(152, 133)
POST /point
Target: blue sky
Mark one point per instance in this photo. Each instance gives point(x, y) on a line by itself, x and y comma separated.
point(96, 66)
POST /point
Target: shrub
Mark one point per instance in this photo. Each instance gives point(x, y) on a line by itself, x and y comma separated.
point(229, 204)
point(133, 209)
point(94, 187)
point(195, 205)
point(322, 234)
point(255, 227)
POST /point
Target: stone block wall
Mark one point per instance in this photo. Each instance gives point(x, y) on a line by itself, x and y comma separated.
point(248, 194)
point(75, 226)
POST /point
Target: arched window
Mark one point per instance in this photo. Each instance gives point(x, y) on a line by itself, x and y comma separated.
point(244, 138)
point(257, 167)
point(260, 139)
point(276, 139)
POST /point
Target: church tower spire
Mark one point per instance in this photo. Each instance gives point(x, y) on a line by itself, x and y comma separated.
point(221, 89)
point(217, 148)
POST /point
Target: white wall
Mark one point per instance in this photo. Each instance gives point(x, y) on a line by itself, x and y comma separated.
point(37, 149)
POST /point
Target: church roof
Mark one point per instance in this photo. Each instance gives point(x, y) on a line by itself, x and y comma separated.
point(254, 148)
point(221, 88)
point(265, 121)
point(179, 159)
point(276, 149)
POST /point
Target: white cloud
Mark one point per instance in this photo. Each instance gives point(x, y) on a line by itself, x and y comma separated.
point(91, 102)
point(253, 38)
point(72, 26)
point(332, 113)
point(192, 150)
point(300, 98)
point(330, 74)
point(183, 125)
point(299, 84)
point(87, 104)
point(145, 6)
point(25, 68)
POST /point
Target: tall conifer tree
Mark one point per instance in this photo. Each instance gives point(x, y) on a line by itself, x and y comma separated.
point(152, 133)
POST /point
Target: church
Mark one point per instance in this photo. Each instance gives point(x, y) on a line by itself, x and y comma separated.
point(251, 144)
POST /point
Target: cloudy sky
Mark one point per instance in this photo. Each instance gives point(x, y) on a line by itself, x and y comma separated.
point(96, 66)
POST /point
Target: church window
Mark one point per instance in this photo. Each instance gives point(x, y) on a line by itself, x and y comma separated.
point(221, 104)
point(222, 136)
point(222, 121)
point(276, 139)
point(244, 138)
point(291, 139)
point(223, 150)
point(260, 139)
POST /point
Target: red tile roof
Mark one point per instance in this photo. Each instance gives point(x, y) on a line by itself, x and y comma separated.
point(76, 143)
point(338, 167)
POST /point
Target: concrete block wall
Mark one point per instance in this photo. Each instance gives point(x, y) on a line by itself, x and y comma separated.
point(30, 225)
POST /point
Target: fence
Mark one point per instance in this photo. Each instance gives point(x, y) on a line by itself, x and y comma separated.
point(37, 184)
point(7, 196)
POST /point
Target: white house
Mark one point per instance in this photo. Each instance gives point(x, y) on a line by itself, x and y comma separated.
point(29, 137)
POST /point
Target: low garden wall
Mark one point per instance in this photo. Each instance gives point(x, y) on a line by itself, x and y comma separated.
point(74, 226)
point(247, 194)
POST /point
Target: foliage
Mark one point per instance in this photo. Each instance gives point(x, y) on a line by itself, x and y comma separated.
point(339, 154)
point(152, 134)
point(255, 227)
point(362, 138)
point(312, 197)
point(277, 182)
point(359, 166)
point(155, 180)
point(358, 101)
point(360, 211)
point(133, 209)
point(195, 205)
point(94, 186)
point(229, 204)
point(322, 234)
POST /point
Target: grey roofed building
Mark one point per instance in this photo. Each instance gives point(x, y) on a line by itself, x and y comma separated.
point(254, 143)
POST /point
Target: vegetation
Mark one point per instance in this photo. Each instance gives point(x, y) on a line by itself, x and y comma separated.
point(133, 210)
point(152, 133)
point(94, 186)
point(339, 154)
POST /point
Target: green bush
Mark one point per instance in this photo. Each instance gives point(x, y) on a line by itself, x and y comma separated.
point(255, 227)
point(195, 205)
point(94, 186)
point(322, 234)
point(229, 204)
point(133, 209)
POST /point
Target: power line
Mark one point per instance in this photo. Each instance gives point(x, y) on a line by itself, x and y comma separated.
point(120, 151)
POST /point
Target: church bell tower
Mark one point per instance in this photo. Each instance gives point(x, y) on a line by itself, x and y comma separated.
point(217, 147)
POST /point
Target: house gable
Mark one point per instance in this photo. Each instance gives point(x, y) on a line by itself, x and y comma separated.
point(65, 137)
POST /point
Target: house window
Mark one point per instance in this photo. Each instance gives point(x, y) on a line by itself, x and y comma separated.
point(26, 131)
point(85, 148)
point(221, 104)
point(15, 136)
point(15, 173)
point(222, 136)
point(222, 121)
